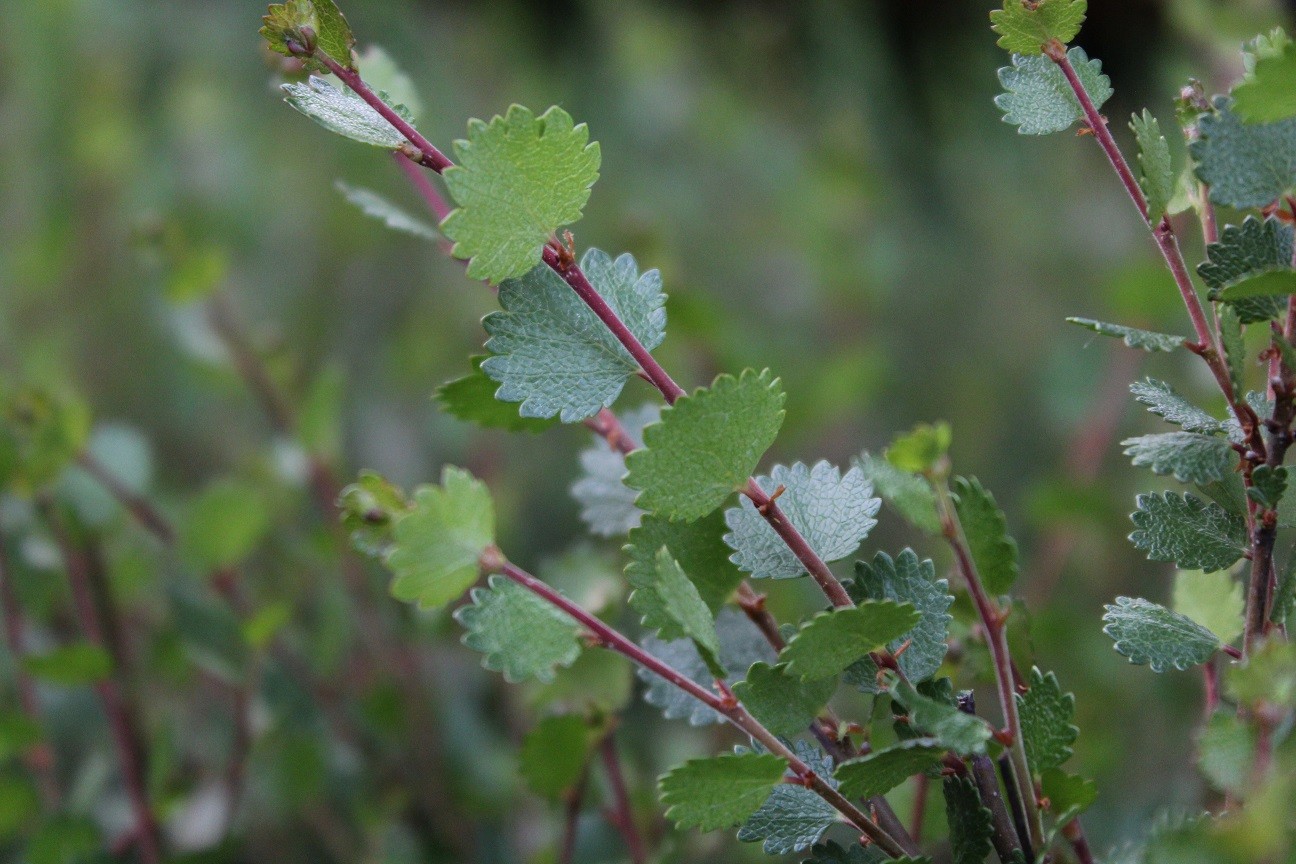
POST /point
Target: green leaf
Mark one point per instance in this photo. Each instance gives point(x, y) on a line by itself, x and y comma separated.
point(521, 635)
point(963, 733)
point(549, 350)
point(741, 645)
point(381, 73)
point(1046, 721)
point(905, 580)
point(41, 433)
point(1188, 456)
point(333, 36)
point(698, 548)
point(1163, 401)
point(1268, 675)
point(793, 817)
point(919, 449)
point(671, 605)
point(833, 513)
point(1269, 93)
point(1245, 164)
point(1226, 752)
point(883, 770)
point(910, 494)
point(1213, 600)
point(1252, 262)
point(1068, 794)
point(597, 681)
point(1037, 98)
point(1156, 174)
point(970, 822)
point(18, 733)
point(1188, 531)
point(438, 543)
point(370, 507)
point(223, 525)
point(554, 754)
point(1025, 28)
point(342, 112)
point(1145, 340)
point(70, 665)
point(706, 445)
point(1147, 633)
point(832, 853)
point(373, 204)
point(986, 530)
point(833, 640)
point(785, 704)
point(519, 179)
point(1230, 333)
point(721, 791)
point(1285, 597)
point(472, 399)
point(607, 504)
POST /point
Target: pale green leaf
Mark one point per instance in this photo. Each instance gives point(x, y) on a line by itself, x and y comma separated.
point(381, 73)
point(1037, 98)
point(1251, 262)
point(963, 733)
point(1230, 333)
point(549, 350)
point(1163, 401)
point(1068, 794)
point(1147, 633)
point(333, 36)
point(833, 513)
point(1226, 752)
point(519, 179)
point(554, 754)
point(521, 635)
point(721, 791)
point(1156, 174)
point(910, 494)
point(1046, 721)
point(793, 817)
point(438, 542)
point(607, 504)
point(598, 680)
point(472, 399)
point(1025, 28)
point(370, 507)
point(1188, 531)
point(1269, 92)
point(785, 704)
point(970, 822)
point(833, 640)
point(1187, 456)
point(69, 665)
point(883, 770)
point(1145, 340)
point(986, 530)
point(671, 605)
point(224, 525)
point(373, 204)
point(921, 448)
point(342, 112)
point(1213, 600)
point(905, 580)
point(1245, 164)
point(698, 548)
point(706, 445)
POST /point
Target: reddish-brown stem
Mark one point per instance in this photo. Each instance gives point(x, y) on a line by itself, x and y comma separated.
point(622, 814)
point(732, 710)
point(753, 606)
point(606, 425)
point(435, 201)
point(1210, 684)
point(919, 807)
point(1073, 831)
point(126, 736)
point(140, 508)
point(815, 566)
point(571, 819)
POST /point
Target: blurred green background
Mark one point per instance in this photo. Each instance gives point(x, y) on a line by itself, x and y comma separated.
point(827, 189)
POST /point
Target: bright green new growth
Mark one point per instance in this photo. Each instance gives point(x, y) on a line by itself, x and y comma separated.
point(671, 605)
point(793, 817)
point(834, 514)
point(521, 635)
point(1188, 456)
point(374, 205)
point(1269, 92)
point(370, 507)
point(908, 494)
point(550, 352)
point(1070, 794)
point(905, 580)
point(70, 665)
point(555, 752)
point(472, 399)
point(1251, 260)
point(986, 530)
point(380, 72)
point(1147, 633)
point(963, 733)
point(285, 22)
point(1046, 721)
point(882, 770)
point(719, 792)
point(1163, 401)
point(1156, 174)
point(706, 445)
point(970, 822)
point(438, 543)
point(519, 179)
point(1184, 529)
point(1245, 164)
point(1037, 98)
point(785, 703)
point(344, 113)
point(833, 640)
point(1213, 600)
point(1025, 28)
point(1145, 340)
point(695, 545)
point(920, 449)
point(1226, 752)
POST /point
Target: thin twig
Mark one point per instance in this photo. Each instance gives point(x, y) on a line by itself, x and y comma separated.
point(919, 807)
point(622, 814)
point(571, 818)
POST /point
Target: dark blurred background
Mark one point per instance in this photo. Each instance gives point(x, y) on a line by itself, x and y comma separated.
point(827, 189)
